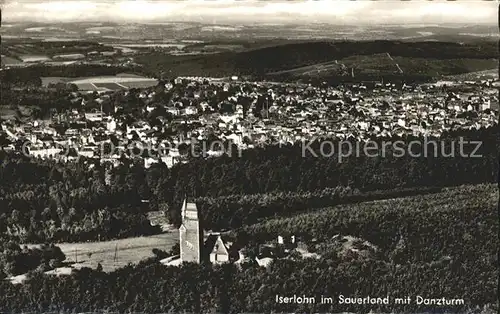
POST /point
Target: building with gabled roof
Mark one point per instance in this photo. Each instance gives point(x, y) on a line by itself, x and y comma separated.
point(218, 251)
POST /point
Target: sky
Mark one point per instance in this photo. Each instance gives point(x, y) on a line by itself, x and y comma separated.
point(248, 11)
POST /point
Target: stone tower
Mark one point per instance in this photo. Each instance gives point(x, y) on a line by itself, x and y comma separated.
point(190, 233)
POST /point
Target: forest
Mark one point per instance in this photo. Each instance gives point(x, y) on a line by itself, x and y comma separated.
point(233, 211)
point(71, 203)
point(418, 228)
point(438, 245)
point(15, 260)
point(272, 168)
point(89, 201)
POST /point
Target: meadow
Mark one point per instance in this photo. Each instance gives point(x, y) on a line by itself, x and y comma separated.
point(99, 82)
point(112, 82)
point(10, 61)
point(130, 250)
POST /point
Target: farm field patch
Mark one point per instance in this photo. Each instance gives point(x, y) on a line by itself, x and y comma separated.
point(122, 81)
point(116, 253)
point(8, 60)
point(34, 58)
point(111, 79)
point(52, 80)
point(372, 64)
point(86, 86)
point(139, 84)
point(491, 73)
point(385, 64)
point(330, 67)
point(111, 86)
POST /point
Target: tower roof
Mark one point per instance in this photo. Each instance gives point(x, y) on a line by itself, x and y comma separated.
point(188, 199)
point(189, 209)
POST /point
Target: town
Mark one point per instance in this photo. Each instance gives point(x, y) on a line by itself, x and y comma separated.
point(189, 110)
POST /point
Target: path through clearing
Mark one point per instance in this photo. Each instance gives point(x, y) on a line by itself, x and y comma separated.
point(130, 250)
point(397, 65)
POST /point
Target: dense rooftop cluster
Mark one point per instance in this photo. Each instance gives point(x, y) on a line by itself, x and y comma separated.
point(165, 120)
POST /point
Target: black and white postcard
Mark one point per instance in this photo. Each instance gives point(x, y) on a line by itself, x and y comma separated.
point(223, 156)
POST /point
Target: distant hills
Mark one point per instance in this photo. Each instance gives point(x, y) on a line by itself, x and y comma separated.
point(248, 32)
point(339, 60)
point(285, 52)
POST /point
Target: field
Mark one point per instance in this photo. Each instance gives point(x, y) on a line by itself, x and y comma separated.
point(10, 61)
point(366, 64)
point(34, 58)
point(131, 250)
point(139, 84)
point(104, 82)
point(111, 82)
point(52, 48)
point(53, 80)
point(154, 45)
point(372, 64)
point(110, 86)
point(87, 86)
point(70, 56)
point(316, 69)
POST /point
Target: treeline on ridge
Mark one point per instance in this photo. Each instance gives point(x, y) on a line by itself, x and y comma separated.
point(89, 201)
point(234, 211)
point(458, 222)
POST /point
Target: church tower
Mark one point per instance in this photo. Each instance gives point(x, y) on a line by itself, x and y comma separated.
point(190, 233)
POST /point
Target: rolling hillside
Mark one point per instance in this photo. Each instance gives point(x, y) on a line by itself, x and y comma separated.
point(423, 60)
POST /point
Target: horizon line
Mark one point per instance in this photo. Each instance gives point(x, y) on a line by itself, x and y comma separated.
point(232, 23)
